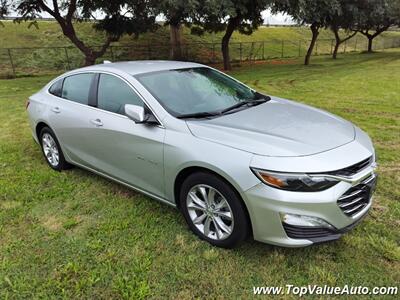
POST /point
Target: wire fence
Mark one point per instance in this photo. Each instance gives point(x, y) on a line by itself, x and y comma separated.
point(39, 60)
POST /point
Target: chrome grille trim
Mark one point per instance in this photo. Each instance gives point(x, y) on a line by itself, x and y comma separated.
point(351, 195)
point(343, 205)
point(356, 208)
point(358, 197)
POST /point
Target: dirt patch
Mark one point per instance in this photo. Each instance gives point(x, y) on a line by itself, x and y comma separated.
point(389, 168)
point(52, 223)
point(9, 204)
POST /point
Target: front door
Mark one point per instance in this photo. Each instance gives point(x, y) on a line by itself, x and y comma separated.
point(130, 152)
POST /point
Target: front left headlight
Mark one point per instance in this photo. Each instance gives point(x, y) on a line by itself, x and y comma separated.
point(294, 181)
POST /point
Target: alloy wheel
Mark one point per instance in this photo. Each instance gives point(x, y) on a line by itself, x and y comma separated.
point(210, 212)
point(50, 149)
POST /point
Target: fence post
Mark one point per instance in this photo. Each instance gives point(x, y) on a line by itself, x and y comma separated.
point(299, 48)
point(11, 61)
point(240, 51)
point(345, 45)
point(316, 47)
point(331, 47)
point(148, 50)
point(263, 53)
point(282, 48)
point(112, 54)
point(67, 57)
point(213, 52)
point(355, 45)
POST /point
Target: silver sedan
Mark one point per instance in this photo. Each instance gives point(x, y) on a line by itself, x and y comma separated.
point(234, 161)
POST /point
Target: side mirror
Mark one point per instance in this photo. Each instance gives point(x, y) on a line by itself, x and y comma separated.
point(135, 113)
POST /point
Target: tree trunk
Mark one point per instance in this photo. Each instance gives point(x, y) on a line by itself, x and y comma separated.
point(88, 52)
point(370, 39)
point(67, 27)
point(90, 59)
point(315, 31)
point(336, 49)
point(176, 41)
point(225, 43)
point(337, 42)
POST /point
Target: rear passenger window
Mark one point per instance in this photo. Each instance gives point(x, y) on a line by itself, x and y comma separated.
point(56, 88)
point(113, 94)
point(76, 88)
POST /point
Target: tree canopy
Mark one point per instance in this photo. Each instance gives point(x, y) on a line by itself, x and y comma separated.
point(375, 16)
point(4, 9)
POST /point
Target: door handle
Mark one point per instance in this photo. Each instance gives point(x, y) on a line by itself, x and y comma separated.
point(56, 110)
point(97, 122)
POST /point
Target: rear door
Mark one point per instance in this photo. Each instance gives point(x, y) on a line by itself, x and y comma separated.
point(130, 152)
point(70, 114)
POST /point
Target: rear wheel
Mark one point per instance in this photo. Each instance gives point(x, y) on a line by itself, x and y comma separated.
point(52, 151)
point(213, 210)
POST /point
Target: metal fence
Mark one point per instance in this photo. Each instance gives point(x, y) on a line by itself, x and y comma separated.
point(29, 61)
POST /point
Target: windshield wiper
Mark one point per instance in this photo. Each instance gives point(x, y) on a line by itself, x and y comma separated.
point(251, 102)
point(203, 114)
point(245, 102)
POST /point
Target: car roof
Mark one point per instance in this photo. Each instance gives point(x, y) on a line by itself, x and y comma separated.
point(141, 66)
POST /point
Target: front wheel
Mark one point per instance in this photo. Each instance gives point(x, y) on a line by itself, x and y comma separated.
point(213, 210)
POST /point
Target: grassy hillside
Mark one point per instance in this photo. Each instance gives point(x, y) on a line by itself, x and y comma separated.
point(267, 42)
point(75, 235)
point(48, 34)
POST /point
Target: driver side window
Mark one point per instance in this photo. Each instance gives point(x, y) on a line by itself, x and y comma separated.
point(114, 93)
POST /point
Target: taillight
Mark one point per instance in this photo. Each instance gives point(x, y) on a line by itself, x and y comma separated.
point(27, 104)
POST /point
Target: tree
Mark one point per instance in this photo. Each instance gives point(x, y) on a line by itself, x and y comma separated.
point(4, 10)
point(131, 17)
point(375, 17)
point(228, 16)
point(343, 19)
point(317, 14)
point(177, 13)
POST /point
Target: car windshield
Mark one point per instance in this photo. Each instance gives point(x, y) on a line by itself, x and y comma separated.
point(196, 91)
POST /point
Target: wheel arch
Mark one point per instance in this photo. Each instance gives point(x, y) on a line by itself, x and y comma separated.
point(39, 126)
point(184, 173)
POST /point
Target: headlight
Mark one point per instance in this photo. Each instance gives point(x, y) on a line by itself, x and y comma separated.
point(295, 182)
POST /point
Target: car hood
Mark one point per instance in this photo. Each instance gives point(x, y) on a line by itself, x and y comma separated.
point(278, 127)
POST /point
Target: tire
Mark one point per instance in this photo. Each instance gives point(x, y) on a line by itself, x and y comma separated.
point(228, 223)
point(50, 145)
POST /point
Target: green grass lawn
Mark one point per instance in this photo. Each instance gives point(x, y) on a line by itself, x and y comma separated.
point(76, 235)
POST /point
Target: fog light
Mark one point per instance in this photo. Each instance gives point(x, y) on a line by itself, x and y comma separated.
point(306, 221)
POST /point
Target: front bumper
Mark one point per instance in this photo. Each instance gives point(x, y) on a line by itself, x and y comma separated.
point(265, 204)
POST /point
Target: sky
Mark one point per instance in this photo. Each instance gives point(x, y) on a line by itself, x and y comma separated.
point(276, 19)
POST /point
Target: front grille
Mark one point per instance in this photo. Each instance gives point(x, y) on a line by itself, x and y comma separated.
point(354, 169)
point(357, 197)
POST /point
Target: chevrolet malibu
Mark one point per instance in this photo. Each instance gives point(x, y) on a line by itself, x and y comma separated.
point(233, 160)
